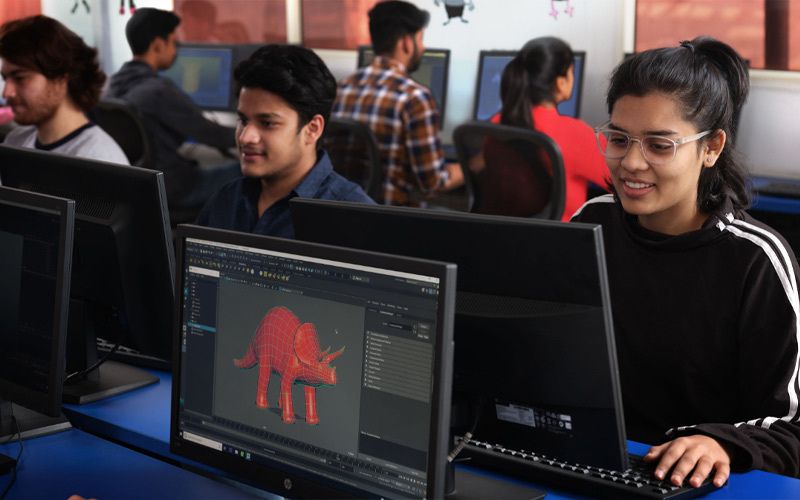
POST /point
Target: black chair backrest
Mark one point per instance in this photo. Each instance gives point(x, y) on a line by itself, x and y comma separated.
point(123, 123)
point(511, 171)
point(354, 153)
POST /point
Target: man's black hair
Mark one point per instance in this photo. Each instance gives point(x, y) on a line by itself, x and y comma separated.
point(146, 24)
point(294, 73)
point(391, 20)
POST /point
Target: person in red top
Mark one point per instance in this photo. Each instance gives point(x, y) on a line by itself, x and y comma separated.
point(533, 83)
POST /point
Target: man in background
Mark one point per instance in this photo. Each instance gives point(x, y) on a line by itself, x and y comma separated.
point(170, 116)
point(401, 112)
point(52, 79)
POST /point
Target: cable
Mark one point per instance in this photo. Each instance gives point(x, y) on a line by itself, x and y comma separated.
point(80, 373)
point(19, 456)
point(467, 435)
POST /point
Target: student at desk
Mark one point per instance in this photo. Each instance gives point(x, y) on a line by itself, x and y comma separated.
point(169, 114)
point(533, 83)
point(52, 79)
point(401, 112)
point(704, 297)
point(284, 103)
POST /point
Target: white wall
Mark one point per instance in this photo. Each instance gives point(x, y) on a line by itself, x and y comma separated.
point(81, 22)
point(769, 135)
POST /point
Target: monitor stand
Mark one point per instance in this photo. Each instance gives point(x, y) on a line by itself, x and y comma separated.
point(31, 424)
point(477, 484)
point(28, 424)
point(6, 464)
point(111, 377)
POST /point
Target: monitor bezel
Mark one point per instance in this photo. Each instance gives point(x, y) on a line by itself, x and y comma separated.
point(282, 478)
point(323, 211)
point(577, 90)
point(442, 106)
point(48, 403)
point(482, 56)
point(39, 167)
point(232, 49)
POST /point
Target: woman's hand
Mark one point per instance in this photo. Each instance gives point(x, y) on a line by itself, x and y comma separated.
point(686, 454)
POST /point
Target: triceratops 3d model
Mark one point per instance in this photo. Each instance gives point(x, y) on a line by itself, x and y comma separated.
point(285, 346)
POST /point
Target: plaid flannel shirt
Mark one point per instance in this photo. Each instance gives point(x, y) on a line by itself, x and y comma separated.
point(403, 116)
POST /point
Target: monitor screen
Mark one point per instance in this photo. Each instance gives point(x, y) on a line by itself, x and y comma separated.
point(532, 305)
point(432, 72)
point(123, 263)
point(255, 393)
point(490, 71)
point(205, 72)
point(35, 256)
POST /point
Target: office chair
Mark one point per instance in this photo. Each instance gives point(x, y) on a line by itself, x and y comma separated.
point(511, 171)
point(123, 123)
point(354, 153)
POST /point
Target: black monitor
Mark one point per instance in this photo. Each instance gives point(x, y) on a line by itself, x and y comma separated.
point(432, 72)
point(35, 256)
point(255, 394)
point(533, 327)
point(205, 72)
point(490, 71)
point(123, 265)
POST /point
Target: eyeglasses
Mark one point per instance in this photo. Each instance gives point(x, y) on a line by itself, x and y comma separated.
point(656, 149)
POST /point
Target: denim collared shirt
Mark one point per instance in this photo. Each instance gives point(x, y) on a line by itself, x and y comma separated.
point(235, 205)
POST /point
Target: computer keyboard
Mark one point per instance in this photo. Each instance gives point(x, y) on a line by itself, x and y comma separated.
point(637, 482)
point(777, 188)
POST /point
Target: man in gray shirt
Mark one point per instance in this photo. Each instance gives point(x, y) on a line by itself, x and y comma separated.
point(169, 113)
point(52, 79)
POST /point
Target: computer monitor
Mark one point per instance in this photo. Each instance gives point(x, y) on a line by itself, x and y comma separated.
point(432, 72)
point(205, 72)
point(35, 255)
point(255, 394)
point(535, 354)
point(490, 71)
point(123, 265)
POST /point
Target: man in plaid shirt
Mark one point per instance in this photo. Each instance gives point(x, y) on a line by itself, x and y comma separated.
point(401, 112)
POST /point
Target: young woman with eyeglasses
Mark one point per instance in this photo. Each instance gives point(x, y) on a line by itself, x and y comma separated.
point(705, 298)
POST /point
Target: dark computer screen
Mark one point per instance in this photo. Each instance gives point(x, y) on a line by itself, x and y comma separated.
point(35, 256)
point(205, 72)
point(303, 366)
point(432, 72)
point(123, 261)
point(490, 70)
point(535, 354)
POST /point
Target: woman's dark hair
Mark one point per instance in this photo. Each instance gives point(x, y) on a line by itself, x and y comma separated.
point(294, 73)
point(530, 77)
point(710, 82)
point(44, 45)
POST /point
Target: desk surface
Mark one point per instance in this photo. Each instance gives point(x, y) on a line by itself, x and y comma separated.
point(769, 203)
point(141, 418)
point(74, 462)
